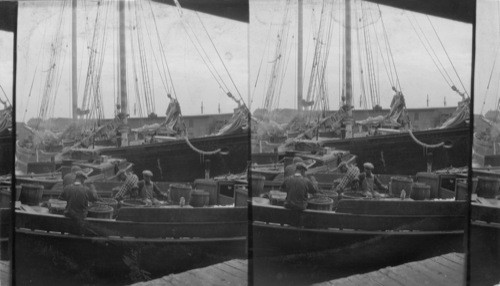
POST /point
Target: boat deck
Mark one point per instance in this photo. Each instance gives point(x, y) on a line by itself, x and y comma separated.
point(232, 272)
point(443, 270)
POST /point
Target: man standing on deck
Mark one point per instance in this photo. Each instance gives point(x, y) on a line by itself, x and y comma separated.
point(368, 181)
point(78, 197)
point(350, 178)
point(148, 190)
point(290, 169)
point(70, 178)
point(129, 186)
point(297, 187)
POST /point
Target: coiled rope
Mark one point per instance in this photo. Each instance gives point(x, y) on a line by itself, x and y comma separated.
point(424, 144)
point(201, 152)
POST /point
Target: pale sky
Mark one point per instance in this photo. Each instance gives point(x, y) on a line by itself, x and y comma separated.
point(6, 64)
point(487, 57)
point(418, 75)
point(191, 78)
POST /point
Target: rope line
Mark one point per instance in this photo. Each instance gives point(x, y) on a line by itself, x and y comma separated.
point(206, 153)
point(425, 145)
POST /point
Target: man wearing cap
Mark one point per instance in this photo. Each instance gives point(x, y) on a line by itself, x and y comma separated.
point(70, 178)
point(78, 197)
point(129, 185)
point(148, 190)
point(368, 181)
point(350, 178)
point(290, 169)
point(297, 187)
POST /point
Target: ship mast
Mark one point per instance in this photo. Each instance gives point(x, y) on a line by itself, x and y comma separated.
point(347, 67)
point(299, 56)
point(74, 89)
point(123, 73)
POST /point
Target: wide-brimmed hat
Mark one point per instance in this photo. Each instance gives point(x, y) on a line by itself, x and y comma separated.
point(147, 173)
point(368, 165)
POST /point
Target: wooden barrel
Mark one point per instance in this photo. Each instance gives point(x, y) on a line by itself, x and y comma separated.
point(487, 187)
point(398, 184)
point(420, 191)
point(132, 203)
point(178, 191)
point(31, 194)
point(199, 198)
point(100, 211)
point(320, 203)
point(257, 184)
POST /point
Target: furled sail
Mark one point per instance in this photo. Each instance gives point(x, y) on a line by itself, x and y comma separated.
point(237, 123)
point(459, 116)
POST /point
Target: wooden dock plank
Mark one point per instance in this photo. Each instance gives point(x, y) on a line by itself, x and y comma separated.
point(428, 277)
point(379, 277)
point(443, 270)
point(215, 276)
point(239, 264)
point(406, 279)
point(447, 272)
point(233, 272)
point(4, 272)
point(454, 257)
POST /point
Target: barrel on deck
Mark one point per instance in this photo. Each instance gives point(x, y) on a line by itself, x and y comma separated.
point(487, 187)
point(398, 184)
point(31, 194)
point(420, 191)
point(257, 185)
point(100, 211)
point(199, 198)
point(320, 203)
point(180, 190)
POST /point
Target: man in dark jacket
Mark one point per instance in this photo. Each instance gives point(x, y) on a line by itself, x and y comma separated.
point(78, 197)
point(297, 187)
point(369, 181)
point(148, 190)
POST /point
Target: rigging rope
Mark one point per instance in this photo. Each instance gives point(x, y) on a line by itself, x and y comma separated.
point(449, 59)
point(201, 152)
point(424, 144)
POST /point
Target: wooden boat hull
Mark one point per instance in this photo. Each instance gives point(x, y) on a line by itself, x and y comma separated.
point(400, 154)
point(177, 161)
point(484, 245)
point(159, 241)
point(346, 237)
